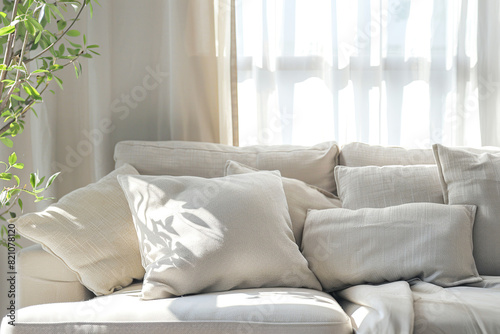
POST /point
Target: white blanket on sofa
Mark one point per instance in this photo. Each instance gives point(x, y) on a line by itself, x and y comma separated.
point(419, 307)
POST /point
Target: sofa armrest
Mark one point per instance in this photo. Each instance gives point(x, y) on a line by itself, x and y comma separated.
point(43, 278)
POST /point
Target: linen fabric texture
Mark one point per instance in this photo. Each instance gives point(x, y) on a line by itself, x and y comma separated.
point(379, 187)
point(312, 164)
point(473, 177)
point(202, 235)
point(300, 197)
point(432, 242)
point(361, 154)
point(92, 232)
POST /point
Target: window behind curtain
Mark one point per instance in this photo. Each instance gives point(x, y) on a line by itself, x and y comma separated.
point(381, 72)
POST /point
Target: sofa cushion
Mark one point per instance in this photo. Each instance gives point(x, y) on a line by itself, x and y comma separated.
point(429, 241)
point(92, 232)
point(360, 154)
point(473, 177)
point(204, 235)
point(313, 165)
point(457, 310)
point(299, 196)
point(264, 311)
point(379, 187)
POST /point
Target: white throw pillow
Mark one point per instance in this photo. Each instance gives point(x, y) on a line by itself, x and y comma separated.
point(429, 241)
point(471, 176)
point(300, 197)
point(92, 232)
point(203, 235)
point(380, 187)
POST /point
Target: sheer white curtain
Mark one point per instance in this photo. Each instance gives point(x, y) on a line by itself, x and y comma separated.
point(163, 74)
point(395, 72)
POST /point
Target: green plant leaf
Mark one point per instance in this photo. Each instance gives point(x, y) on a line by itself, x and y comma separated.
point(33, 180)
point(6, 176)
point(18, 166)
point(73, 33)
point(59, 82)
point(17, 179)
point(7, 142)
point(51, 179)
point(12, 215)
point(20, 203)
point(12, 158)
point(7, 30)
point(18, 98)
point(30, 27)
point(61, 24)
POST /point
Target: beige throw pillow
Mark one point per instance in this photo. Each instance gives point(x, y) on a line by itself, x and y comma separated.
point(204, 235)
point(473, 177)
point(300, 197)
point(432, 242)
point(380, 187)
point(92, 232)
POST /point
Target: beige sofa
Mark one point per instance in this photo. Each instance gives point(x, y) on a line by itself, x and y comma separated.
point(50, 297)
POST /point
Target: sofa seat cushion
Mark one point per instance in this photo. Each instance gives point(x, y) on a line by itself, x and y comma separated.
point(458, 310)
point(267, 310)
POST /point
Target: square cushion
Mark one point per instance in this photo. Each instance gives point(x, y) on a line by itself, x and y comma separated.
point(311, 164)
point(429, 241)
point(379, 187)
point(473, 177)
point(203, 235)
point(92, 232)
point(300, 197)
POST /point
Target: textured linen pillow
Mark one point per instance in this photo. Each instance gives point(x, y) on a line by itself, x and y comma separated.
point(204, 235)
point(300, 197)
point(429, 241)
point(380, 187)
point(92, 232)
point(473, 177)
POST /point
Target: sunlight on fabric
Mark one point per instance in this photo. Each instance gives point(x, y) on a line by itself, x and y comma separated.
point(346, 16)
point(347, 133)
point(312, 102)
point(415, 114)
point(471, 33)
point(359, 315)
point(418, 32)
point(313, 30)
point(377, 22)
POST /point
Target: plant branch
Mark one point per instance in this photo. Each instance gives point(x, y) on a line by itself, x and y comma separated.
point(59, 38)
point(22, 113)
point(18, 74)
point(9, 47)
point(13, 202)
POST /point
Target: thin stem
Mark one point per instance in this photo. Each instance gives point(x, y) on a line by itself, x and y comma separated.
point(18, 74)
point(9, 47)
point(59, 38)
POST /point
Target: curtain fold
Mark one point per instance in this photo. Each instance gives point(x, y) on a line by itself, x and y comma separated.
point(391, 72)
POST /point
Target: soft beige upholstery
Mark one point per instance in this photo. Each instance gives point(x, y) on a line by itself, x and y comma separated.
point(43, 278)
point(360, 154)
point(313, 165)
point(263, 311)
